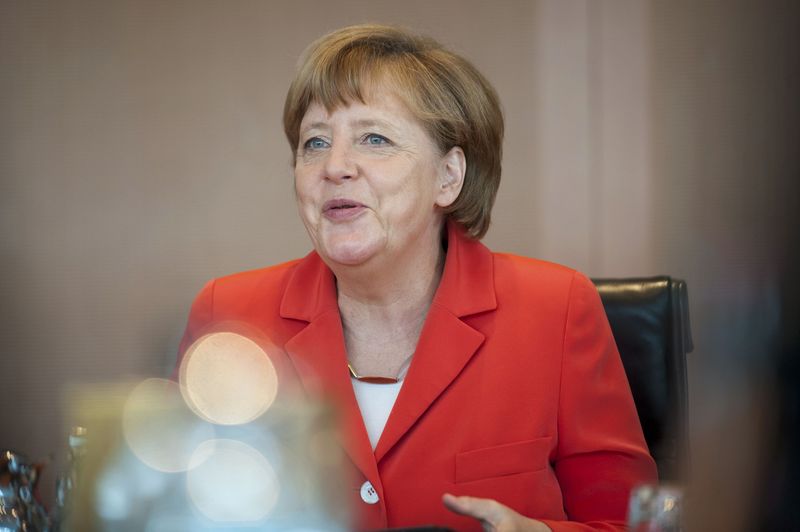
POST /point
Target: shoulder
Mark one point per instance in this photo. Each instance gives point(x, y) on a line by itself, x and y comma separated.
point(540, 282)
point(241, 290)
point(264, 278)
point(534, 274)
point(508, 263)
point(245, 302)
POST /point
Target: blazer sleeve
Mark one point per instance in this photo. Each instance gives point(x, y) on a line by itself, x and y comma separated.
point(601, 452)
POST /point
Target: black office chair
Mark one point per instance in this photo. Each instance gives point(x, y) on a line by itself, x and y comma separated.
point(650, 321)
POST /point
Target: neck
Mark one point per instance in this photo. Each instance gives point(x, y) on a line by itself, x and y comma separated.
point(398, 294)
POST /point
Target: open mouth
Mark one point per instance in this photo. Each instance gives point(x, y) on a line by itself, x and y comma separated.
point(340, 205)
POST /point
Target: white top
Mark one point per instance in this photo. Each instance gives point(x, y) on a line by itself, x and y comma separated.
point(375, 402)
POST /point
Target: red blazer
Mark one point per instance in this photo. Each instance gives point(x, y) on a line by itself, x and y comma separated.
point(516, 391)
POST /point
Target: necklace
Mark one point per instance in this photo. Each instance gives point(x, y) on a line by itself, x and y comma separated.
point(401, 373)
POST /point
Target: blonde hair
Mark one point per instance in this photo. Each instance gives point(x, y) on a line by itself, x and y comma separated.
point(453, 101)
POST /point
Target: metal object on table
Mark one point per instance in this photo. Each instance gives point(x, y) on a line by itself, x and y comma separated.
point(68, 480)
point(20, 510)
point(656, 508)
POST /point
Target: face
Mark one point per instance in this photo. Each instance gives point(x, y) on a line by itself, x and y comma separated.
point(370, 181)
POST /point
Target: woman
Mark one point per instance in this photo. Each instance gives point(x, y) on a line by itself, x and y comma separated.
point(476, 388)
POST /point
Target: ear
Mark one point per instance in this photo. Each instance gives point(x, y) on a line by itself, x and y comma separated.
point(451, 177)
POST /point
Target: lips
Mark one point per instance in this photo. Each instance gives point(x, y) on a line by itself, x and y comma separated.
point(342, 209)
point(340, 204)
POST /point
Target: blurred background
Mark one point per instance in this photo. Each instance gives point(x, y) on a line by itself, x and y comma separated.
point(142, 153)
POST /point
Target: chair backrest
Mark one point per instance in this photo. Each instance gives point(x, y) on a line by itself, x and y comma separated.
point(650, 321)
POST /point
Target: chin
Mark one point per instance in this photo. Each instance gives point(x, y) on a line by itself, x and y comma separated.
point(351, 252)
point(350, 257)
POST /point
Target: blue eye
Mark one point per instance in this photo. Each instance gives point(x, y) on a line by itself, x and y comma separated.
point(315, 143)
point(375, 140)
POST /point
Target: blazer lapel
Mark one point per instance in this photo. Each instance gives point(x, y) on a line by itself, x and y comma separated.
point(444, 348)
point(318, 354)
point(447, 343)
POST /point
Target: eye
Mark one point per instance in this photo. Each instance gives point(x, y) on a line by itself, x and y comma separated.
point(374, 139)
point(315, 143)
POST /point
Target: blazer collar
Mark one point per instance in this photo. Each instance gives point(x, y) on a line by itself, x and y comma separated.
point(467, 285)
point(310, 291)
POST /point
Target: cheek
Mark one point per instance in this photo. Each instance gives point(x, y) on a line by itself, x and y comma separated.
point(305, 206)
point(420, 187)
point(302, 189)
point(308, 219)
point(304, 199)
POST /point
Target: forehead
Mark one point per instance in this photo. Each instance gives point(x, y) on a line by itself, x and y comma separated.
point(378, 106)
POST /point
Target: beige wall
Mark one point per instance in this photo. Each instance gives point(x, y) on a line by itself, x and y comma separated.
point(141, 153)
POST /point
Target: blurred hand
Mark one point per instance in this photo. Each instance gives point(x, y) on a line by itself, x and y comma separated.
point(494, 516)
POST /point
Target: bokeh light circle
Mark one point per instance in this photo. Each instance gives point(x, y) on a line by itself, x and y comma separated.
point(232, 482)
point(226, 378)
point(159, 429)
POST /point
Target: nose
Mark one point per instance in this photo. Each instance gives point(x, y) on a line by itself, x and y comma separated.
point(339, 164)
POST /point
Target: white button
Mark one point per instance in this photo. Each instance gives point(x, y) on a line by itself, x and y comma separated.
point(368, 493)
